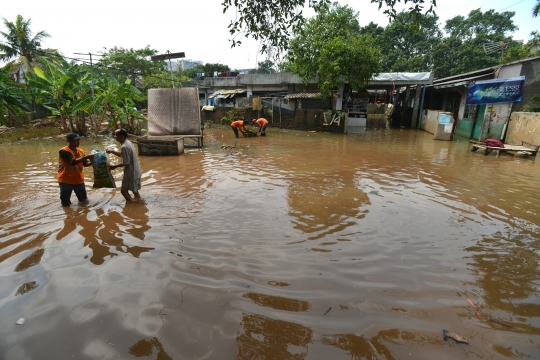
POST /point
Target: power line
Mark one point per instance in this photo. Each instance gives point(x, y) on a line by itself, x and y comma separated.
point(512, 5)
point(84, 61)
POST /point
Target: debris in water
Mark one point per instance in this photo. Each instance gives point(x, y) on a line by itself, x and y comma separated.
point(20, 321)
point(501, 323)
point(458, 338)
point(477, 308)
point(327, 310)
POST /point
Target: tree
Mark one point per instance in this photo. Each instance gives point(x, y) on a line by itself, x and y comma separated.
point(132, 64)
point(536, 9)
point(274, 21)
point(331, 47)
point(21, 45)
point(405, 50)
point(163, 80)
point(54, 86)
point(518, 51)
point(208, 70)
point(372, 29)
point(10, 98)
point(463, 51)
point(265, 67)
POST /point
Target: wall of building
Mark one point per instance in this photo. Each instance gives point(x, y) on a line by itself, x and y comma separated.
point(430, 120)
point(523, 126)
point(531, 71)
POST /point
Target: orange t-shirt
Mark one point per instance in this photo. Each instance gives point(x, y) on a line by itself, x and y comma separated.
point(261, 122)
point(239, 124)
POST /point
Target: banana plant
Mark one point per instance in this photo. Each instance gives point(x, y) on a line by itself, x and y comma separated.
point(10, 98)
point(52, 86)
point(114, 102)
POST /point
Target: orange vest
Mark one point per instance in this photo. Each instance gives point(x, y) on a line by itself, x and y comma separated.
point(238, 124)
point(68, 173)
point(261, 122)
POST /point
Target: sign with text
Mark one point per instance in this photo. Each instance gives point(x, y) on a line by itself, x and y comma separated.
point(495, 91)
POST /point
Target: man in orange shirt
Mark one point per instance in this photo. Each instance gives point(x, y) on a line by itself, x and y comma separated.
point(263, 124)
point(71, 160)
point(239, 124)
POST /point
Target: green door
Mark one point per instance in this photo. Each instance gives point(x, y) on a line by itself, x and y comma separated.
point(478, 122)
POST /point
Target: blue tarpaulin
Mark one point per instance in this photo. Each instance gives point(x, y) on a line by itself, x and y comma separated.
point(495, 91)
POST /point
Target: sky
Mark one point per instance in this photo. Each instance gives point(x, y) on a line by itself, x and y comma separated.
point(198, 28)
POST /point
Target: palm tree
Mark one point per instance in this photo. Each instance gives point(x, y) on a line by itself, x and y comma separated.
point(20, 44)
point(536, 9)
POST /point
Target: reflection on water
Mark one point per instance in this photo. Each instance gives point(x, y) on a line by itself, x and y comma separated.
point(278, 302)
point(108, 233)
point(294, 246)
point(262, 337)
point(146, 348)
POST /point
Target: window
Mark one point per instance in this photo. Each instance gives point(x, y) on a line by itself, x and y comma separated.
point(470, 112)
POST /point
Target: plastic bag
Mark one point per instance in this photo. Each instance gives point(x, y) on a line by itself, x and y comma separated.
point(102, 174)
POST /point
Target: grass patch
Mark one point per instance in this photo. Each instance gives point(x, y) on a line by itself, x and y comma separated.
point(30, 133)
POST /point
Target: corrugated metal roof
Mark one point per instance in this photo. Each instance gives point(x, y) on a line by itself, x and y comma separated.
point(304, 95)
point(226, 93)
point(459, 82)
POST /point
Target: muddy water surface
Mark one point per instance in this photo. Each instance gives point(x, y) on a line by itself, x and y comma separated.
point(297, 245)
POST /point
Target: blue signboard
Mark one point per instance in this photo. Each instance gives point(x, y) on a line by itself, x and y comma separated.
point(495, 91)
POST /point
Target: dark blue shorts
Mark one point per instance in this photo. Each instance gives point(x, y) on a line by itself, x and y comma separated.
point(264, 127)
point(65, 193)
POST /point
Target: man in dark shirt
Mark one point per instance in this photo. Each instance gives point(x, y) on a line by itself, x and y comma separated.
point(71, 160)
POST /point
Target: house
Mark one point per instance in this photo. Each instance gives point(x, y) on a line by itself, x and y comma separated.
point(482, 121)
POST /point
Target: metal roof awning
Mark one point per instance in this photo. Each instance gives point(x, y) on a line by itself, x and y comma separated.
point(401, 79)
point(459, 82)
point(304, 95)
point(223, 94)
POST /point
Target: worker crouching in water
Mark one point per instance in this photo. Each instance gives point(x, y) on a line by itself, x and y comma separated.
point(239, 125)
point(263, 124)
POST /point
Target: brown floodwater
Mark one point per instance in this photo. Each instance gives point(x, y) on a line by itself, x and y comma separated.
point(294, 246)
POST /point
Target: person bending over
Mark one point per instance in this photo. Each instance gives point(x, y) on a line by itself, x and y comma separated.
point(239, 125)
point(263, 124)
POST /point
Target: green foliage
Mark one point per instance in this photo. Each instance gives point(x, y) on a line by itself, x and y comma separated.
point(21, 46)
point(518, 51)
point(536, 106)
point(331, 47)
point(286, 66)
point(163, 80)
point(231, 116)
point(65, 89)
point(10, 99)
point(133, 64)
point(53, 86)
point(274, 21)
point(115, 103)
point(406, 50)
point(208, 70)
point(536, 9)
point(265, 67)
point(462, 51)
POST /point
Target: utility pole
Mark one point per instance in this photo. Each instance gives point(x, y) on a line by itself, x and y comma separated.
point(92, 75)
point(168, 56)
